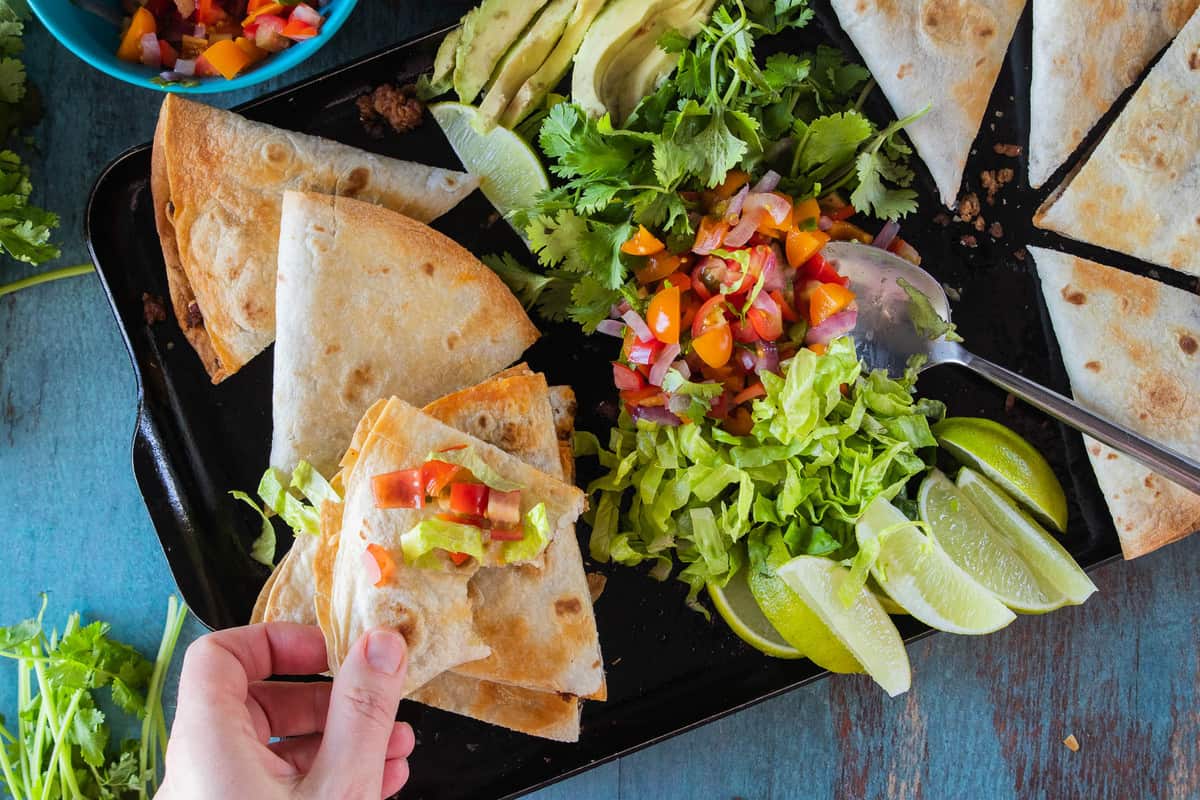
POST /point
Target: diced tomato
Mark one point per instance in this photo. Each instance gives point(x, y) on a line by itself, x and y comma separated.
point(204, 68)
point(400, 489)
point(626, 379)
point(469, 498)
point(721, 406)
point(436, 476)
point(710, 315)
point(474, 520)
point(298, 31)
point(383, 563)
point(506, 534)
point(644, 353)
point(663, 315)
point(818, 348)
point(735, 179)
point(168, 54)
point(504, 507)
point(207, 12)
point(807, 213)
point(639, 397)
point(687, 315)
point(827, 300)
point(749, 393)
point(818, 269)
point(785, 308)
point(642, 243)
point(658, 266)
point(710, 234)
point(715, 345)
point(803, 245)
point(766, 317)
point(459, 558)
point(743, 331)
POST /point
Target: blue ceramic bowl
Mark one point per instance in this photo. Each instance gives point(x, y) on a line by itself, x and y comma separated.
point(94, 39)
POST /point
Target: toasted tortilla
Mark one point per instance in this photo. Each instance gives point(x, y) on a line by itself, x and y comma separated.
point(373, 304)
point(544, 714)
point(431, 608)
point(944, 54)
point(1084, 55)
point(1137, 191)
point(1132, 350)
point(218, 181)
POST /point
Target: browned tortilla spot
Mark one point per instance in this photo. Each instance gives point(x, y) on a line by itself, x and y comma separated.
point(568, 605)
point(1187, 344)
point(1094, 366)
point(1073, 297)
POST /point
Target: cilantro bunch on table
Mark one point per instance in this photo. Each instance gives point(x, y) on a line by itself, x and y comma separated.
point(722, 109)
point(58, 743)
point(827, 440)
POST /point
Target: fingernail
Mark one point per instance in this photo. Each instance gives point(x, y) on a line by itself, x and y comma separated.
point(385, 651)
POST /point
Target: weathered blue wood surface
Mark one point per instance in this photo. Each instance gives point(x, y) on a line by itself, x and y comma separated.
point(985, 717)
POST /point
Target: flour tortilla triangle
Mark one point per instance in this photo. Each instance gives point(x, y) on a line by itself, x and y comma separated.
point(218, 181)
point(1130, 346)
point(944, 54)
point(1084, 55)
point(1137, 191)
point(432, 608)
point(373, 304)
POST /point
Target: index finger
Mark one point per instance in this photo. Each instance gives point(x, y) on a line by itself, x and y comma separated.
point(233, 658)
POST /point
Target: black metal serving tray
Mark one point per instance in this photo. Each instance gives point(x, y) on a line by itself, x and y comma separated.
point(669, 669)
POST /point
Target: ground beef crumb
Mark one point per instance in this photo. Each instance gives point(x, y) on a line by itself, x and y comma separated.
point(153, 308)
point(398, 107)
point(1005, 175)
point(194, 318)
point(979, 224)
point(996, 231)
point(942, 218)
point(968, 241)
point(968, 207)
point(1010, 150)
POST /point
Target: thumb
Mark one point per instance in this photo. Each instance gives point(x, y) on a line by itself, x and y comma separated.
point(362, 714)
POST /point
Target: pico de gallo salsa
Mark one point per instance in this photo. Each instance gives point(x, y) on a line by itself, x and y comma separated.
point(752, 290)
point(188, 39)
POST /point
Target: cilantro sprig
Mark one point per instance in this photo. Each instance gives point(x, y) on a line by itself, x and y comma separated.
point(799, 114)
point(58, 744)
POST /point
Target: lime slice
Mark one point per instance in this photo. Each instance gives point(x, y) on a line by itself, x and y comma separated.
point(982, 551)
point(737, 607)
point(863, 627)
point(1039, 549)
point(509, 171)
point(889, 605)
point(788, 614)
point(1006, 458)
point(920, 577)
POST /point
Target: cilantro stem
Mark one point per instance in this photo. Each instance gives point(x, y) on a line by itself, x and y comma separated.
point(864, 94)
point(153, 724)
point(45, 277)
point(24, 701)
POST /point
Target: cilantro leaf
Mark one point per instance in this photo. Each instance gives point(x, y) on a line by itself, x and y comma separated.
point(526, 284)
point(925, 318)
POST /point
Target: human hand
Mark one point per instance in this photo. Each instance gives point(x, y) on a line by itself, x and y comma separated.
point(341, 739)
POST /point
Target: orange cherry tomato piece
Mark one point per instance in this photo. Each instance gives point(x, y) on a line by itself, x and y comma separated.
point(713, 228)
point(663, 315)
point(803, 245)
point(642, 243)
point(658, 266)
point(140, 24)
point(807, 213)
point(827, 300)
point(735, 179)
point(715, 345)
point(710, 315)
point(818, 348)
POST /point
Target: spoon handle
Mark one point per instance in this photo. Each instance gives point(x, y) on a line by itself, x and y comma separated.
point(1167, 463)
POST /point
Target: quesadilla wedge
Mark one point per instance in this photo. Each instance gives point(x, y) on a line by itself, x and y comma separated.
point(944, 54)
point(372, 304)
point(1084, 55)
point(218, 181)
point(1132, 350)
point(426, 557)
point(544, 714)
point(1137, 191)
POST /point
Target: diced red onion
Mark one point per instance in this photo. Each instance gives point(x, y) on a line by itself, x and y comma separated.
point(747, 359)
point(200, 32)
point(678, 403)
point(307, 14)
point(683, 369)
point(638, 325)
point(712, 241)
point(768, 182)
point(663, 363)
point(777, 206)
point(734, 210)
point(620, 308)
point(768, 358)
point(824, 223)
point(151, 52)
point(740, 234)
point(839, 324)
point(185, 67)
point(656, 414)
point(773, 279)
point(170, 76)
point(886, 235)
point(611, 327)
point(371, 568)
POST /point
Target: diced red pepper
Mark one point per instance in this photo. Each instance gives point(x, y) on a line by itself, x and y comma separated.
point(436, 476)
point(298, 31)
point(626, 379)
point(470, 499)
point(400, 489)
point(644, 352)
point(818, 269)
point(475, 521)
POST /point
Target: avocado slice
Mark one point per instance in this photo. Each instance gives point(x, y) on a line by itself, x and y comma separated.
point(623, 23)
point(487, 34)
point(639, 66)
point(523, 59)
point(443, 63)
point(547, 76)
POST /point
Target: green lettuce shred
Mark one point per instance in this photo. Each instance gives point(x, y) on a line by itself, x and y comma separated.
point(816, 456)
point(472, 462)
point(537, 536)
point(277, 492)
point(262, 549)
point(429, 535)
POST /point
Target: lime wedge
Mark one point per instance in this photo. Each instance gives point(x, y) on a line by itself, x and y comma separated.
point(1004, 457)
point(921, 578)
point(982, 551)
point(737, 607)
point(1039, 549)
point(864, 627)
point(509, 171)
point(889, 605)
point(788, 614)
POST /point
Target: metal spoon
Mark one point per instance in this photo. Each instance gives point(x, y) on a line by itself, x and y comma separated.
point(886, 339)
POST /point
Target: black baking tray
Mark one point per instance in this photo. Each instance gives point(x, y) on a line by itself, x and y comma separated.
point(668, 668)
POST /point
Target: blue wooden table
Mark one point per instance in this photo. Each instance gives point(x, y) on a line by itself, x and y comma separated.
point(985, 718)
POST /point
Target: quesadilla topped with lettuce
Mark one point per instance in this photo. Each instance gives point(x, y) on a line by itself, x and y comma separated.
point(218, 182)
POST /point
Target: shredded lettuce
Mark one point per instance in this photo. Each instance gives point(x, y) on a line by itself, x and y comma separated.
point(537, 536)
point(313, 485)
point(828, 438)
point(275, 491)
point(263, 548)
point(428, 535)
point(300, 518)
point(472, 462)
